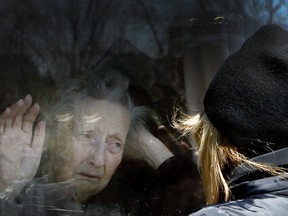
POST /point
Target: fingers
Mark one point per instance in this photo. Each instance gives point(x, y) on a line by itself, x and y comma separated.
point(27, 101)
point(39, 137)
point(13, 116)
point(7, 118)
point(164, 135)
point(29, 118)
point(15, 108)
point(3, 117)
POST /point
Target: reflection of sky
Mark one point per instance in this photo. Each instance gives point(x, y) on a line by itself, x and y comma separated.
point(163, 13)
point(146, 24)
point(266, 11)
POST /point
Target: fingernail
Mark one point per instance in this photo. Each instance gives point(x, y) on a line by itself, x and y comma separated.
point(20, 102)
point(37, 105)
point(28, 97)
point(7, 110)
point(44, 124)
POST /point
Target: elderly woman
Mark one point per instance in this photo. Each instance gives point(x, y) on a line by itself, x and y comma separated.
point(87, 133)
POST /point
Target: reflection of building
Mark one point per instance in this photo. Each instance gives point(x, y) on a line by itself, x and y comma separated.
point(76, 37)
point(204, 40)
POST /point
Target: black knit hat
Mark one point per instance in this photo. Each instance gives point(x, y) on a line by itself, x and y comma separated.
point(247, 101)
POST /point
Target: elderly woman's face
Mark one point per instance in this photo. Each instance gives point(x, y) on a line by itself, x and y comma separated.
point(89, 148)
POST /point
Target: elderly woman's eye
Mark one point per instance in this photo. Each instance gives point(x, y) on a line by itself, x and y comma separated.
point(85, 135)
point(82, 135)
point(115, 147)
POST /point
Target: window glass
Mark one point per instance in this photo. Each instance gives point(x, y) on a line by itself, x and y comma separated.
point(164, 54)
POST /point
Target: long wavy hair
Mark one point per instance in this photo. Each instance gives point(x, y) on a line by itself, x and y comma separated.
point(215, 154)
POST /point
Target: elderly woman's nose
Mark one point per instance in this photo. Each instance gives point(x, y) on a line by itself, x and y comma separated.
point(97, 154)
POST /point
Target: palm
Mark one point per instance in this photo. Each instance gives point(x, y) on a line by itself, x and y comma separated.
point(20, 148)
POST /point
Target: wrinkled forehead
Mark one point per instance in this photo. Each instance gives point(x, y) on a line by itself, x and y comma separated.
point(90, 114)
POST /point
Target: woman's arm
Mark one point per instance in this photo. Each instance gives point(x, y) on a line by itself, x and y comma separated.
point(142, 145)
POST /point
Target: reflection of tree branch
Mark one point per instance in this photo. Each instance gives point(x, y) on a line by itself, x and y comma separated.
point(281, 20)
point(39, 55)
point(73, 17)
point(95, 30)
point(33, 48)
point(270, 8)
point(274, 10)
point(154, 32)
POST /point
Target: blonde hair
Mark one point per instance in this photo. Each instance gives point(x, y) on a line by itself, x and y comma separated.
point(216, 153)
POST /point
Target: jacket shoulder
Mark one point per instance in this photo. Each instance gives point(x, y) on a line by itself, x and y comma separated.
point(264, 204)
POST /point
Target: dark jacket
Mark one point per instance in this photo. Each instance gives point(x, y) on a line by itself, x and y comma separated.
point(255, 193)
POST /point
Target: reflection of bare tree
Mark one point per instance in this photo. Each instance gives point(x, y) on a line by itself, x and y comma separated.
point(62, 37)
point(149, 20)
point(65, 38)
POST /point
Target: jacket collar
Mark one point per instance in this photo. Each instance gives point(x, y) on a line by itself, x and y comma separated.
point(242, 187)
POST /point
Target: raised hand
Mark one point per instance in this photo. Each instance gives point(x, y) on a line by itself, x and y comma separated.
point(142, 145)
point(20, 146)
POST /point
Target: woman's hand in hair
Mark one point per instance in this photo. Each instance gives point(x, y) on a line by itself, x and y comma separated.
point(20, 146)
point(142, 145)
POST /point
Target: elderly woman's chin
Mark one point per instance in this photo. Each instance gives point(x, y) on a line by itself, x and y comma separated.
point(84, 189)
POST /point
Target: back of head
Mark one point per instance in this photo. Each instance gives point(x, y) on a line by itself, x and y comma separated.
point(246, 103)
point(247, 99)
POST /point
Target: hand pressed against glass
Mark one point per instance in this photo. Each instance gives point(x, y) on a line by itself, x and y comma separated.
point(20, 147)
point(88, 149)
